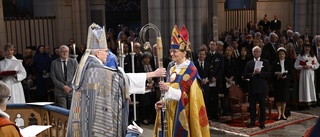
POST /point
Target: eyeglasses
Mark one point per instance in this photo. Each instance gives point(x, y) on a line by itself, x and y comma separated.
point(9, 97)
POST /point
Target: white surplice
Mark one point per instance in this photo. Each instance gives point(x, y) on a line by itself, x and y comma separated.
point(307, 92)
point(16, 89)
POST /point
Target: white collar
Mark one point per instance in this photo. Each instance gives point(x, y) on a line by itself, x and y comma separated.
point(256, 59)
point(63, 60)
point(12, 58)
point(97, 59)
point(4, 114)
point(184, 64)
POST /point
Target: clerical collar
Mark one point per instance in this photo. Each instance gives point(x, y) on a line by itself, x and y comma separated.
point(184, 64)
point(256, 59)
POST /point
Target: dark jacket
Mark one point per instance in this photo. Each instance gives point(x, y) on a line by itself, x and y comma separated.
point(257, 83)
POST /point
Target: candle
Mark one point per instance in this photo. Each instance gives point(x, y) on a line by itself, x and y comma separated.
point(74, 48)
point(132, 46)
point(121, 48)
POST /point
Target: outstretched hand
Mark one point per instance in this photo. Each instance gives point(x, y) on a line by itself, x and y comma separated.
point(160, 72)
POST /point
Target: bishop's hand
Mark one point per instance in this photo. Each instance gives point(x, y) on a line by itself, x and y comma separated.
point(163, 86)
point(160, 104)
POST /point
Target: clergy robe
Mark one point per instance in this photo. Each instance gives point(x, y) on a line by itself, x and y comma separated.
point(186, 114)
point(99, 105)
point(307, 92)
point(17, 94)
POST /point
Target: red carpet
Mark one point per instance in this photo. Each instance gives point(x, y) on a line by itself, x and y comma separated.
point(235, 126)
point(237, 122)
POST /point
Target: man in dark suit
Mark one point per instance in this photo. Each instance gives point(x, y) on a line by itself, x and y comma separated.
point(258, 86)
point(275, 25)
point(307, 35)
point(216, 62)
point(62, 71)
point(203, 68)
point(269, 51)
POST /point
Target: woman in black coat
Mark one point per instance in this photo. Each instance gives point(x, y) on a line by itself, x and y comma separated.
point(281, 74)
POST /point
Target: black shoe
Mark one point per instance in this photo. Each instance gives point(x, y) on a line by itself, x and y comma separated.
point(283, 118)
point(251, 125)
point(262, 126)
point(277, 119)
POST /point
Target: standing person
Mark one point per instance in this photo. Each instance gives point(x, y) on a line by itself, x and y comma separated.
point(13, 81)
point(229, 74)
point(7, 128)
point(29, 67)
point(257, 86)
point(269, 51)
point(16, 54)
point(216, 69)
point(203, 68)
point(62, 71)
point(281, 73)
point(42, 62)
point(316, 50)
point(307, 62)
point(146, 100)
point(99, 101)
point(275, 25)
point(185, 110)
point(241, 64)
point(265, 23)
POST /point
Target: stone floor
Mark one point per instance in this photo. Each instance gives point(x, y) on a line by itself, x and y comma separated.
point(295, 130)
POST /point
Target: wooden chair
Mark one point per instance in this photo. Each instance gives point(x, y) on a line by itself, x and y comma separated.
point(236, 102)
point(269, 104)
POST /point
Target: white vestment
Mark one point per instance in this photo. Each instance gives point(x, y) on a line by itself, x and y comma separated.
point(307, 92)
point(16, 89)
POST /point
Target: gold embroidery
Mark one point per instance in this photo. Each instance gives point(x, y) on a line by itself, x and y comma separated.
point(186, 77)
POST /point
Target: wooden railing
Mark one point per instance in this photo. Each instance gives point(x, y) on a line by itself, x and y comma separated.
point(41, 115)
point(239, 18)
point(30, 31)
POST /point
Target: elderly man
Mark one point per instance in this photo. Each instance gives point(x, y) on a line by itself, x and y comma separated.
point(257, 71)
point(99, 101)
point(62, 71)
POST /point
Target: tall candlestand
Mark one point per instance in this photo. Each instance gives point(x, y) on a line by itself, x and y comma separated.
point(134, 95)
point(74, 56)
point(119, 57)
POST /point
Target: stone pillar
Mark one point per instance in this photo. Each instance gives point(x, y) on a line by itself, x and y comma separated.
point(154, 16)
point(3, 37)
point(64, 29)
point(144, 12)
point(191, 16)
point(306, 15)
point(221, 16)
point(79, 21)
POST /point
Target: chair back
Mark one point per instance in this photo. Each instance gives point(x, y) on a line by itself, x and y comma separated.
point(235, 92)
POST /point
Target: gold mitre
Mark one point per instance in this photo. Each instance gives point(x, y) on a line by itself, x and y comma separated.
point(96, 37)
point(180, 38)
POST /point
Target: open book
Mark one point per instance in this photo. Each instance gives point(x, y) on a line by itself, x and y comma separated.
point(134, 128)
point(33, 130)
